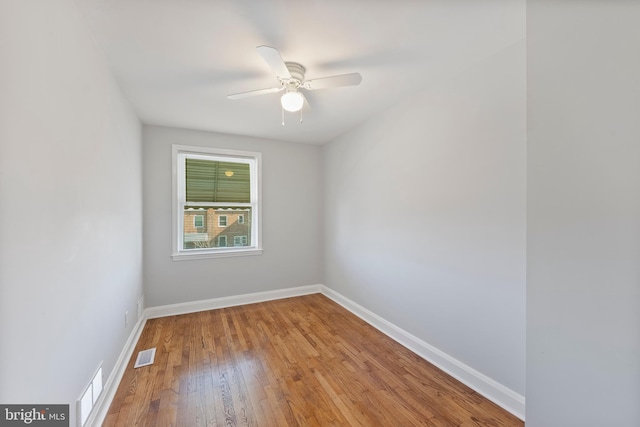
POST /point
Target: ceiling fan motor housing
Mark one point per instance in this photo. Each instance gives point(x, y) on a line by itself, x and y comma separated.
point(297, 73)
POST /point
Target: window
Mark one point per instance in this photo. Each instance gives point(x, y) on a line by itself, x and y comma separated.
point(220, 184)
point(239, 240)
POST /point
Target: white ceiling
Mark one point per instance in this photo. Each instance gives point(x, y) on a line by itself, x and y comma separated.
point(176, 60)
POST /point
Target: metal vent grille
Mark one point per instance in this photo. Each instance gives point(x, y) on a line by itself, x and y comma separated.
point(145, 358)
point(89, 397)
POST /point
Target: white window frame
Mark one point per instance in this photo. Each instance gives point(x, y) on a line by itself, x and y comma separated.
point(254, 159)
point(241, 217)
point(194, 221)
point(225, 241)
point(226, 220)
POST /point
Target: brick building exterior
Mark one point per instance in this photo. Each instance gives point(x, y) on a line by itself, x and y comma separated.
point(216, 227)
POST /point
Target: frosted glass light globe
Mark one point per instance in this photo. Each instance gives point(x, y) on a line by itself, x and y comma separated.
point(292, 101)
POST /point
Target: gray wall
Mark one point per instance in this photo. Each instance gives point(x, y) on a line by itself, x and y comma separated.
point(70, 206)
point(292, 222)
point(583, 252)
point(425, 216)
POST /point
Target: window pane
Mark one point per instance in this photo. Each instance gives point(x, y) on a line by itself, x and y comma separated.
point(215, 181)
point(240, 240)
point(215, 233)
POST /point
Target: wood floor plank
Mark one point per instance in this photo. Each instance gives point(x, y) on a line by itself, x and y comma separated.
point(303, 361)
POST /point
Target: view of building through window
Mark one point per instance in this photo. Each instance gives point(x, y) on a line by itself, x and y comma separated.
point(218, 227)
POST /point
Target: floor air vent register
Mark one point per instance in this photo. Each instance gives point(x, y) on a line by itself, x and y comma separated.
point(145, 358)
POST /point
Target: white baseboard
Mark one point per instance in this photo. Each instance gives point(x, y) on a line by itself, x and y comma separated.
point(212, 304)
point(489, 388)
point(492, 390)
point(100, 408)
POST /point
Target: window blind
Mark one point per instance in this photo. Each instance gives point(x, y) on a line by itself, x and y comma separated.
point(216, 181)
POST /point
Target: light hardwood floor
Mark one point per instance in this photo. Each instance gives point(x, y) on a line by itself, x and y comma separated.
point(303, 361)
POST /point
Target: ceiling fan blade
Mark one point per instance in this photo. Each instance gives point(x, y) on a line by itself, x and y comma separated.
point(254, 93)
point(273, 58)
point(351, 79)
point(305, 106)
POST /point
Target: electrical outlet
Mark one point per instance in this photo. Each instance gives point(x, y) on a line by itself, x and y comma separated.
point(126, 318)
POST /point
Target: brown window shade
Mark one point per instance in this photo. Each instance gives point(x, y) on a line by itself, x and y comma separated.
point(208, 181)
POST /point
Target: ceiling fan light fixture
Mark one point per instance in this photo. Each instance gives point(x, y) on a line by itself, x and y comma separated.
point(291, 76)
point(292, 101)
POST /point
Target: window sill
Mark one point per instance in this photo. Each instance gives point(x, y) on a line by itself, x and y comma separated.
point(185, 256)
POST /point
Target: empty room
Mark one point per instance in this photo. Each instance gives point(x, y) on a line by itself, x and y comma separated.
point(320, 213)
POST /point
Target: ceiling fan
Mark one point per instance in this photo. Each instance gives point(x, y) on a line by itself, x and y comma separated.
point(291, 77)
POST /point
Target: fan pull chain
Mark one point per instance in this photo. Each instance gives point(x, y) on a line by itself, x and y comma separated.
point(301, 117)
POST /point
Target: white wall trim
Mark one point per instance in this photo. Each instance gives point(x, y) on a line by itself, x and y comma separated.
point(489, 388)
point(212, 304)
point(99, 413)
